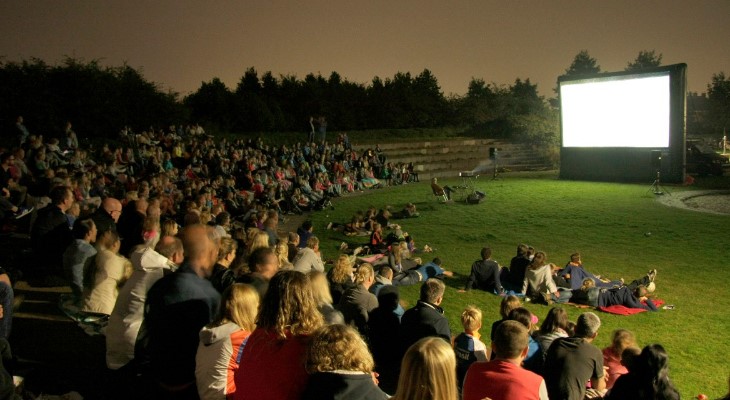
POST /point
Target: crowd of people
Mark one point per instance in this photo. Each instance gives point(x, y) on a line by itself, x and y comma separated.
point(172, 240)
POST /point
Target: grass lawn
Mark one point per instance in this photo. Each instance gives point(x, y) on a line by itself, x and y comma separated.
point(607, 223)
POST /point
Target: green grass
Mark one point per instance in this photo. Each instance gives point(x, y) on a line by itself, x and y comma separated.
point(607, 223)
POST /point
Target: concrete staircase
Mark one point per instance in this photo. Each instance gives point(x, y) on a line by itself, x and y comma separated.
point(446, 158)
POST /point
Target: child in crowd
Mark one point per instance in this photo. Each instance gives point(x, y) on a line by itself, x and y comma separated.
point(621, 339)
point(467, 346)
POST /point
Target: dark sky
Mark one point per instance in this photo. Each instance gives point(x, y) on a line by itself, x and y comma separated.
point(180, 44)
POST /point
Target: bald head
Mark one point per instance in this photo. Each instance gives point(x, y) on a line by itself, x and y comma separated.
point(201, 248)
point(170, 247)
point(113, 207)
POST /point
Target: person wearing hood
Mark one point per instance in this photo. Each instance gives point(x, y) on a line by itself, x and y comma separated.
point(221, 340)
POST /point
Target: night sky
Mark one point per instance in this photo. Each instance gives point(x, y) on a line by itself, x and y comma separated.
point(180, 44)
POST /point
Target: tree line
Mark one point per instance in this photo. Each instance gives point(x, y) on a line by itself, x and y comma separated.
point(101, 100)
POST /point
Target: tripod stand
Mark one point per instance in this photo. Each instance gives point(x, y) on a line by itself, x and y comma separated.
point(656, 186)
point(496, 168)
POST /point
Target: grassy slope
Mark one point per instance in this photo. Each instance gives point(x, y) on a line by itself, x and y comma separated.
point(607, 223)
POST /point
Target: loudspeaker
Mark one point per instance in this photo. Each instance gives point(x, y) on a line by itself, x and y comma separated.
point(492, 152)
point(656, 159)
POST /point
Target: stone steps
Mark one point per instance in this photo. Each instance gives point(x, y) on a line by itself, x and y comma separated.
point(446, 158)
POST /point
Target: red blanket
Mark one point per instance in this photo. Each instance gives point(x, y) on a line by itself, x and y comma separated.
point(623, 310)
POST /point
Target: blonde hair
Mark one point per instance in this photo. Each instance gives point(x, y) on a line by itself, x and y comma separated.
point(239, 304)
point(168, 226)
point(260, 240)
point(587, 284)
point(508, 304)
point(282, 253)
point(227, 246)
point(622, 339)
point(364, 271)
point(289, 307)
point(471, 318)
point(338, 347)
point(320, 287)
point(312, 242)
point(428, 372)
point(342, 270)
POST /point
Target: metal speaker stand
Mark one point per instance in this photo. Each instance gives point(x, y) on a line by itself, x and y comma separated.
point(656, 186)
point(495, 173)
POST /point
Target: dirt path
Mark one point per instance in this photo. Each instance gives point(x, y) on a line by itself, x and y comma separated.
point(707, 201)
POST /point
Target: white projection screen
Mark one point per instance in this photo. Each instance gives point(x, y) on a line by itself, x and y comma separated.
point(629, 111)
point(614, 124)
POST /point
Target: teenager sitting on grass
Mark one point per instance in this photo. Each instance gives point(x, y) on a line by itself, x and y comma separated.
point(539, 284)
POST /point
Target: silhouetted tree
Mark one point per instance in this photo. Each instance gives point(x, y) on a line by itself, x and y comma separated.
point(583, 64)
point(718, 95)
point(645, 59)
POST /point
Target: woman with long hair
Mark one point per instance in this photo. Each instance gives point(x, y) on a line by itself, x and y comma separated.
point(272, 362)
point(220, 341)
point(340, 366)
point(555, 325)
point(428, 372)
point(539, 284)
point(648, 379)
point(323, 297)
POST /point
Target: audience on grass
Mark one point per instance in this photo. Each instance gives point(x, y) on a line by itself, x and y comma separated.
point(161, 181)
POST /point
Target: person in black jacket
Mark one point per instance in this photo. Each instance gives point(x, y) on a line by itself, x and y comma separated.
point(485, 274)
point(426, 318)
